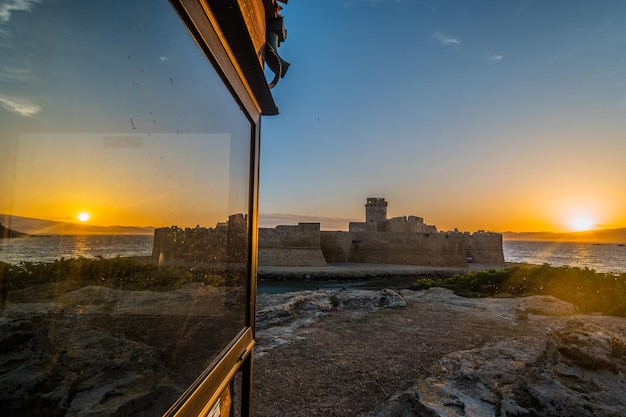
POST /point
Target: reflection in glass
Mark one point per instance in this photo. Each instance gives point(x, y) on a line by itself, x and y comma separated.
point(124, 209)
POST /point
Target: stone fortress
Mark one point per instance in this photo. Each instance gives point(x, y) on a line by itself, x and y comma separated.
point(405, 240)
point(378, 240)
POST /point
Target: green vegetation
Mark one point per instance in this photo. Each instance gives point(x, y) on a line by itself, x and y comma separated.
point(589, 290)
point(123, 273)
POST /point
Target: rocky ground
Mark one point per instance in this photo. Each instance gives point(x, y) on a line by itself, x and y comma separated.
point(431, 353)
point(99, 351)
point(374, 353)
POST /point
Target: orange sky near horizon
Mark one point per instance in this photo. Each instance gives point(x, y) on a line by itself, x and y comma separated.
point(114, 189)
point(59, 176)
point(109, 203)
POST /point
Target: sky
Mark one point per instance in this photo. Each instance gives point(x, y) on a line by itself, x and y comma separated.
point(476, 115)
point(117, 118)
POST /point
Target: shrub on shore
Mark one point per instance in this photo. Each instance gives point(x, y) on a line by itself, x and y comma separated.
point(589, 290)
point(123, 273)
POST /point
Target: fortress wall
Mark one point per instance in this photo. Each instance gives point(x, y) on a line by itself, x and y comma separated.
point(402, 225)
point(304, 235)
point(237, 238)
point(198, 244)
point(163, 244)
point(357, 227)
point(336, 245)
point(438, 249)
point(291, 245)
point(291, 257)
point(484, 247)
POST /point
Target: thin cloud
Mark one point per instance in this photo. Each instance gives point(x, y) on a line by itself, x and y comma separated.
point(164, 59)
point(446, 40)
point(9, 74)
point(19, 106)
point(9, 6)
point(494, 59)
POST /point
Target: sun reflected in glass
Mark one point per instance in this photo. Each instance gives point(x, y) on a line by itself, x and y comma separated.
point(581, 223)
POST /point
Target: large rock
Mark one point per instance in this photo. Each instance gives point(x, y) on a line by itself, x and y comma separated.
point(283, 309)
point(545, 305)
point(279, 315)
point(579, 369)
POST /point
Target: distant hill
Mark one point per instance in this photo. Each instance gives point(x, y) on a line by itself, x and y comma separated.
point(8, 233)
point(34, 226)
point(598, 236)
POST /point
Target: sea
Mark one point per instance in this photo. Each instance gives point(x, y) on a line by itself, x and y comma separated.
point(602, 257)
point(49, 248)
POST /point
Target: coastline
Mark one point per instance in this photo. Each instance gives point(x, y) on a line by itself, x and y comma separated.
point(363, 271)
point(285, 279)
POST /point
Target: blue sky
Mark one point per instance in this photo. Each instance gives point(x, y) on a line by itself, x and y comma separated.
point(477, 115)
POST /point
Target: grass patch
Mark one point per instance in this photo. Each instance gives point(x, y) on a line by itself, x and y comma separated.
point(587, 289)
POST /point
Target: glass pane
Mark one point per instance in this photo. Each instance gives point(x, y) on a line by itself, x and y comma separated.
point(124, 177)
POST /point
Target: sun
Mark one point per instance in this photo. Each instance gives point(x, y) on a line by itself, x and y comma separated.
point(581, 223)
point(83, 216)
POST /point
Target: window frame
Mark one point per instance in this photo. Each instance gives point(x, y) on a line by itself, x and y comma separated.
point(204, 26)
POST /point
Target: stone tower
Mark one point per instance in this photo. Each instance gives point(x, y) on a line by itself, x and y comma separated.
point(375, 210)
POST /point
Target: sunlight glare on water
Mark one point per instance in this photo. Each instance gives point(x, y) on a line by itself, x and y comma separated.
point(609, 257)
